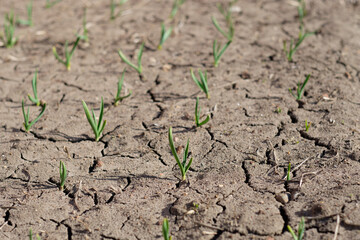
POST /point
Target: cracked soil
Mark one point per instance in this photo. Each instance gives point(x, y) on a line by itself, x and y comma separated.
point(123, 186)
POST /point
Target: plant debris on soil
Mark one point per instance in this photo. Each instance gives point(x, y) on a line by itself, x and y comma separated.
point(127, 183)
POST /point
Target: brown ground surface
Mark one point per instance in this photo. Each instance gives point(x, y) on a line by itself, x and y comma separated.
point(240, 156)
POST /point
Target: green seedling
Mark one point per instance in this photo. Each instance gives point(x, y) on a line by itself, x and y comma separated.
point(34, 99)
point(96, 126)
point(8, 37)
point(197, 115)
point(175, 7)
point(217, 52)
point(68, 55)
point(50, 3)
point(301, 230)
point(31, 235)
point(292, 49)
point(138, 68)
point(288, 177)
point(29, 21)
point(113, 7)
point(196, 205)
point(165, 230)
point(182, 165)
point(301, 11)
point(226, 11)
point(119, 98)
point(228, 35)
point(84, 35)
point(165, 34)
point(300, 88)
point(278, 110)
point(27, 124)
point(202, 83)
point(307, 125)
point(63, 175)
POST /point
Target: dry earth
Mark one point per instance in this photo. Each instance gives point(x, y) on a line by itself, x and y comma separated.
point(123, 186)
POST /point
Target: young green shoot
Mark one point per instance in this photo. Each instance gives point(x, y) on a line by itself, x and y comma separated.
point(182, 165)
point(84, 35)
point(165, 34)
point(202, 83)
point(50, 3)
point(113, 7)
point(27, 124)
point(31, 235)
point(197, 115)
point(138, 68)
point(218, 51)
point(63, 175)
point(35, 99)
point(68, 55)
point(228, 35)
point(307, 125)
point(292, 48)
point(165, 230)
point(300, 88)
point(278, 110)
point(119, 98)
point(288, 177)
point(97, 126)
point(226, 12)
point(8, 38)
point(301, 11)
point(29, 21)
point(301, 230)
point(175, 7)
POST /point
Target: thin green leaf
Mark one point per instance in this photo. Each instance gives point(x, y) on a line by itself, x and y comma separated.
point(186, 153)
point(205, 121)
point(165, 229)
point(57, 56)
point(188, 166)
point(123, 57)
point(94, 118)
point(195, 79)
point(102, 127)
point(34, 87)
point(89, 118)
point(288, 173)
point(301, 229)
point(26, 116)
point(303, 85)
point(173, 150)
point(137, 68)
point(203, 79)
point(39, 116)
point(63, 175)
point(292, 233)
point(216, 24)
point(73, 48)
point(120, 83)
point(218, 55)
point(140, 56)
point(101, 113)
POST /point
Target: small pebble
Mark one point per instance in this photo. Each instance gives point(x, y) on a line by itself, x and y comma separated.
point(283, 197)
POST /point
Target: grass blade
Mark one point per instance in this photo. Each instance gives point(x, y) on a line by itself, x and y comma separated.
point(173, 150)
point(63, 175)
point(140, 57)
point(89, 118)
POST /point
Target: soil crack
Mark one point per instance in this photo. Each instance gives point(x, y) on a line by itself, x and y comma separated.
point(157, 153)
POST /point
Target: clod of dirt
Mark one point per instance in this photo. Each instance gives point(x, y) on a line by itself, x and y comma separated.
point(319, 209)
point(283, 197)
point(245, 75)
